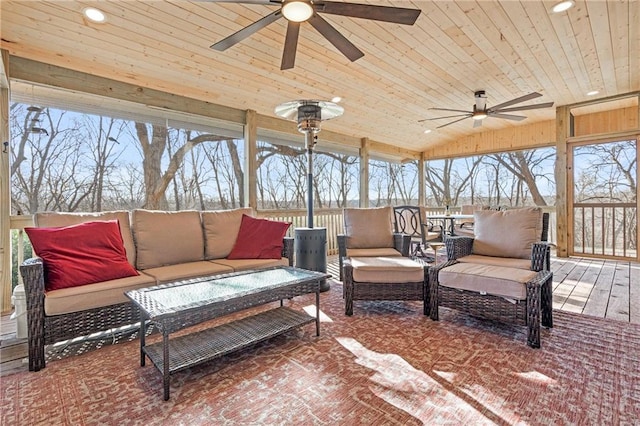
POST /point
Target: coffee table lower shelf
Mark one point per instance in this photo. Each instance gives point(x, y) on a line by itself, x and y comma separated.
point(192, 349)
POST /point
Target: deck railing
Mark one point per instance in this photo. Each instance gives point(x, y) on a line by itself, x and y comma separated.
point(605, 230)
point(322, 218)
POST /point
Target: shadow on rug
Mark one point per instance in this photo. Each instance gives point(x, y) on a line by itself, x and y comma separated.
point(387, 364)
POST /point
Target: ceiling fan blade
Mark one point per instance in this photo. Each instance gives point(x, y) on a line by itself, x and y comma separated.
point(446, 116)
point(532, 95)
point(525, 107)
point(507, 116)
point(237, 37)
point(290, 46)
point(477, 123)
point(341, 43)
point(455, 121)
point(454, 110)
point(398, 15)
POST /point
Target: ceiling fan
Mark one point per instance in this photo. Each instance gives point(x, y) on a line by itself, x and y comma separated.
point(298, 11)
point(480, 110)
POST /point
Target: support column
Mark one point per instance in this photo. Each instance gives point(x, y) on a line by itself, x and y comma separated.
point(562, 169)
point(364, 172)
point(421, 181)
point(5, 188)
point(250, 160)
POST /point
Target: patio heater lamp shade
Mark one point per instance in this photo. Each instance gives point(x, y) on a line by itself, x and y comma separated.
point(309, 243)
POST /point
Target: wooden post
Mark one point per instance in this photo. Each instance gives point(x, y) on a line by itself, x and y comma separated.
point(421, 181)
point(562, 170)
point(251, 150)
point(5, 195)
point(364, 172)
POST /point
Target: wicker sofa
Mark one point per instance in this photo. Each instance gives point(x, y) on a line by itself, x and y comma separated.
point(161, 246)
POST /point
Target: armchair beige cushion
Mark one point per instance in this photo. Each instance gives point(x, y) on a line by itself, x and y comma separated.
point(167, 238)
point(221, 229)
point(489, 279)
point(509, 233)
point(369, 227)
point(386, 270)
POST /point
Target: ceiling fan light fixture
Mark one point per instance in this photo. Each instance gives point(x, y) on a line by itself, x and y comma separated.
point(297, 11)
point(479, 115)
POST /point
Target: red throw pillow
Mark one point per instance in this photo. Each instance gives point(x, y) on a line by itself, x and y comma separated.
point(81, 254)
point(259, 239)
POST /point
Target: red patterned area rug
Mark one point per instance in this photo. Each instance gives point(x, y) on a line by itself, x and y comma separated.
point(388, 364)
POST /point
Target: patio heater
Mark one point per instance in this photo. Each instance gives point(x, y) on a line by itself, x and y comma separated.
point(310, 244)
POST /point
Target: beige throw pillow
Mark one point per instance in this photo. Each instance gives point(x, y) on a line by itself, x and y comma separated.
point(509, 233)
point(221, 230)
point(167, 238)
point(369, 227)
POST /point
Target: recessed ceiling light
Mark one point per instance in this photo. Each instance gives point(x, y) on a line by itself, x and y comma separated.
point(336, 99)
point(427, 131)
point(562, 6)
point(593, 92)
point(94, 15)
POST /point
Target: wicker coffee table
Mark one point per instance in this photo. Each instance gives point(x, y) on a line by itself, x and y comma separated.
point(174, 306)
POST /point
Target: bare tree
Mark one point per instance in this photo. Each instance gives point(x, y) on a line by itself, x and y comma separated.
point(153, 141)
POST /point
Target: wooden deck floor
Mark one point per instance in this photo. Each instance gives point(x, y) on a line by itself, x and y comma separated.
point(606, 289)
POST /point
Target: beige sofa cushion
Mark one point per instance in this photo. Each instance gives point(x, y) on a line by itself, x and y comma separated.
point(167, 238)
point(373, 252)
point(76, 299)
point(509, 233)
point(386, 270)
point(221, 230)
point(183, 271)
point(509, 262)
point(369, 228)
point(495, 280)
point(246, 264)
point(56, 220)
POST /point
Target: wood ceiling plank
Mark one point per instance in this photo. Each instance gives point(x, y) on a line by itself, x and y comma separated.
point(527, 44)
point(582, 30)
point(601, 32)
point(571, 50)
point(620, 34)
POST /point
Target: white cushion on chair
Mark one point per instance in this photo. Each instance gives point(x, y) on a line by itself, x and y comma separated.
point(509, 233)
point(495, 280)
point(386, 270)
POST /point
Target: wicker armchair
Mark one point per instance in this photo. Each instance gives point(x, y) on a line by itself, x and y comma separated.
point(359, 221)
point(531, 307)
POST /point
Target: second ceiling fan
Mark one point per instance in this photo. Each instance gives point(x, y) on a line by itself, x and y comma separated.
point(480, 110)
point(298, 11)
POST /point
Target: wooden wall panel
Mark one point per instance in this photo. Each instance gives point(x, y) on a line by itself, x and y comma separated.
point(534, 135)
point(618, 120)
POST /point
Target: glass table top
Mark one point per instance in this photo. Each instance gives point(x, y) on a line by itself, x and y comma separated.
point(172, 297)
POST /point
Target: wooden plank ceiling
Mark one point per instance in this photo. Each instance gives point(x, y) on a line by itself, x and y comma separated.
point(508, 48)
